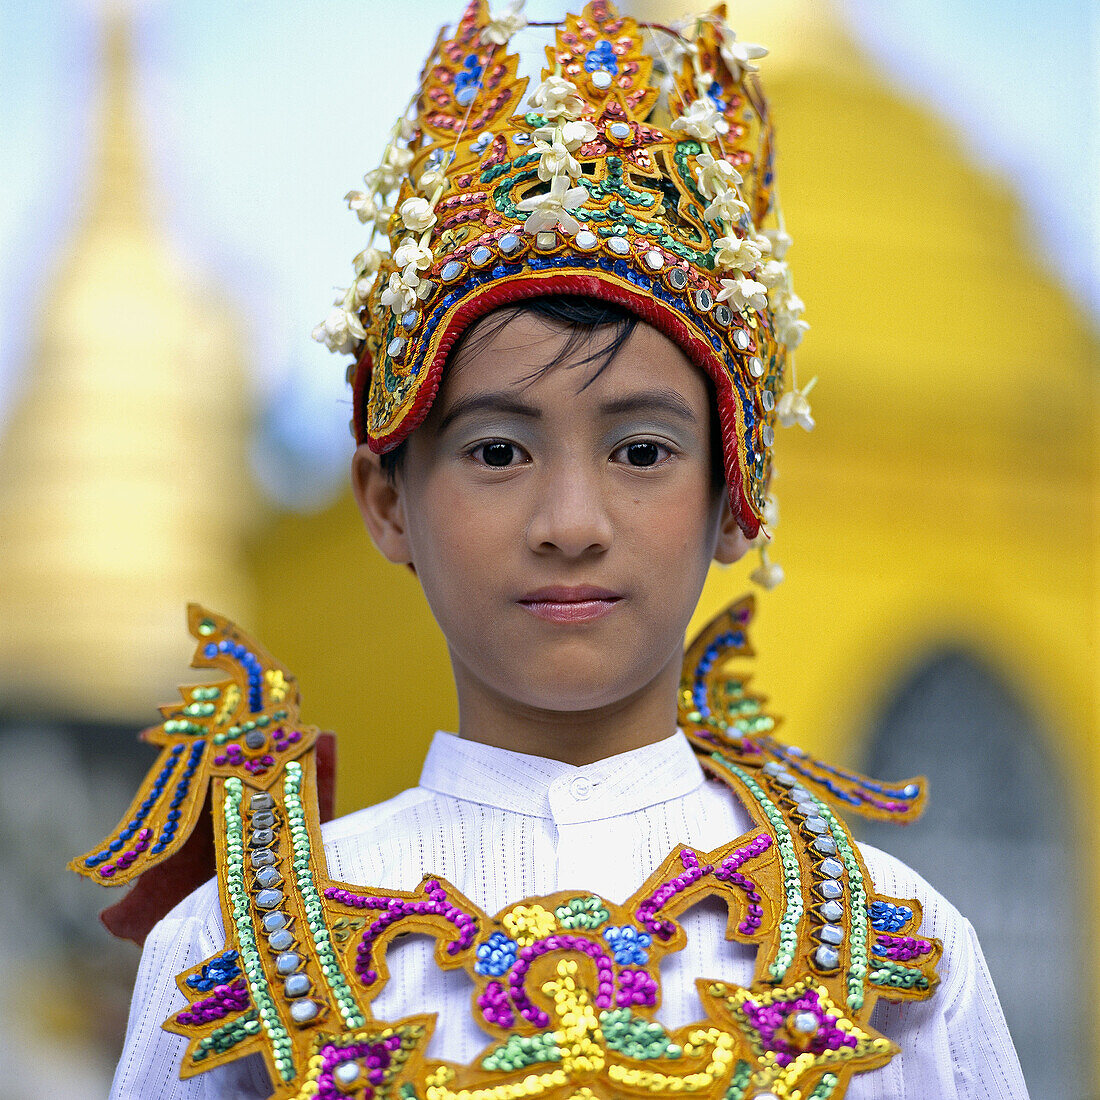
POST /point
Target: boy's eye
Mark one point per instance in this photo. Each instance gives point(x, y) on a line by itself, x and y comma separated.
point(642, 452)
point(498, 453)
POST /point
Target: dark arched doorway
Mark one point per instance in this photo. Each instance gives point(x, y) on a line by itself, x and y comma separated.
point(997, 841)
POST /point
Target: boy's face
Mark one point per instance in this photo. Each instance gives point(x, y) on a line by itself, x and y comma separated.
point(561, 530)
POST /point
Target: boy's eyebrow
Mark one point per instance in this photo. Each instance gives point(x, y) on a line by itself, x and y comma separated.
point(648, 401)
point(493, 402)
point(664, 400)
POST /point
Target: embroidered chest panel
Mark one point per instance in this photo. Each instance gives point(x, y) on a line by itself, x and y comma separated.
point(567, 986)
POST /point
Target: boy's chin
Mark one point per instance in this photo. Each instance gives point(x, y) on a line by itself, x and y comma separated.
point(577, 702)
point(577, 678)
point(575, 692)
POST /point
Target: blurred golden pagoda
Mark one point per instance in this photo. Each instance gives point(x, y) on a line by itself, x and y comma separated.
point(123, 480)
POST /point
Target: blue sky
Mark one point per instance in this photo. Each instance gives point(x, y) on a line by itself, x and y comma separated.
point(259, 116)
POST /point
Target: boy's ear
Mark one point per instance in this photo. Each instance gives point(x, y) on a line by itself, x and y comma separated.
point(381, 504)
point(732, 541)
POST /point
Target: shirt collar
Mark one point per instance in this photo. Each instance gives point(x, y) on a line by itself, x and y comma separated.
point(540, 787)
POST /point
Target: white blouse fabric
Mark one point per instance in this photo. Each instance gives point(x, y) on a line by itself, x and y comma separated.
point(502, 826)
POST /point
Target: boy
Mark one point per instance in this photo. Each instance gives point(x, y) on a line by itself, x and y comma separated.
point(568, 373)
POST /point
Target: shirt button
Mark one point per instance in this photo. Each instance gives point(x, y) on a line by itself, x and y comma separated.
point(580, 788)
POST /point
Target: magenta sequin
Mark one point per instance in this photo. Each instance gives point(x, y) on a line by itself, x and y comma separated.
point(646, 913)
point(636, 987)
point(901, 948)
point(770, 1021)
point(397, 909)
point(375, 1057)
point(495, 1007)
point(124, 860)
point(224, 1000)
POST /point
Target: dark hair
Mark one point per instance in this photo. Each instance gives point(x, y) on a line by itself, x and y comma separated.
point(579, 316)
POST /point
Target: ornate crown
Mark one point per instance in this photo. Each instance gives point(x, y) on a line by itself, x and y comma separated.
point(640, 173)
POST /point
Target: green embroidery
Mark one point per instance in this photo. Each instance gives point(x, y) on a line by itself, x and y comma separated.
point(311, 899)
point(892, 975)
point(521, 1051)
point(792, 876)
point(635, 1036)
point(227, 1036)
point(581, 913)
point(739, 1082)
point(857, 970)
point(825, 1089)
point(282, 1047)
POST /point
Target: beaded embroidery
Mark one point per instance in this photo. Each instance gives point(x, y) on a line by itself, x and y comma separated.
point(567, 985)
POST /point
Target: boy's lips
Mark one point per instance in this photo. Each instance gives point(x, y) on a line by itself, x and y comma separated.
point(570, 604)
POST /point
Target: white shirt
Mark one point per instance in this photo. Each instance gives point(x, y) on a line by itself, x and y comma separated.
point(502, 826)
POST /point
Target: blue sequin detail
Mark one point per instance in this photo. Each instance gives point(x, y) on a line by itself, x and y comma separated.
point(497, 956)
point(137, 820)
point(888, 917)
point(628, 944)
point(714, 92)
point(601, 59)
point(906, 793)
point(171, 825)
point(438, 156)
point(252, 667)
point(732, 639)
point(468, 80)
point(216, 972)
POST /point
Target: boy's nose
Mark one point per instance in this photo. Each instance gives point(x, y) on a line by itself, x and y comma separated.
point(570, 516)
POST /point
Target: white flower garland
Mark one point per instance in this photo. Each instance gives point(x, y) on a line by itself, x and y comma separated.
point(793, 408)
point(739, 56)
point(500, 29)
point(557, 98)
point(341, 331)
point(560, 103)
point(758, 275)
point(702, 120)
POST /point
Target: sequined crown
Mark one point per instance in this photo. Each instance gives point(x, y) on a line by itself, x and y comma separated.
point(641, 173)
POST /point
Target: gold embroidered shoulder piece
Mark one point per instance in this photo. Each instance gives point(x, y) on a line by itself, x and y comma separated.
point(567, 986)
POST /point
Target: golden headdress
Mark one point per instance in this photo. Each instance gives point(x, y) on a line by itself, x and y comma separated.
point(641, 172)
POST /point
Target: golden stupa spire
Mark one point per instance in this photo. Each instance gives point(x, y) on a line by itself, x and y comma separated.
point(119, 177)
point(122, 472)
